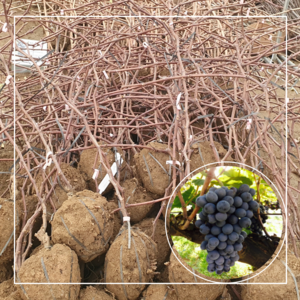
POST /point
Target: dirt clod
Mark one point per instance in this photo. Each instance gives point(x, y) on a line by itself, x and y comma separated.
point(59, 264)
point(160, 292)
point(160, 238)
point(84, 224)
point(160, 175)
point(133, 193)
point(137, 264)
point(92, 293)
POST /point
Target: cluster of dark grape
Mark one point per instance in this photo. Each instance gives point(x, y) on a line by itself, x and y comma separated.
point(225, 212)
point(256, 226)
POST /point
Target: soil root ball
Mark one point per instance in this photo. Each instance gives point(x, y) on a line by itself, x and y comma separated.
point(60, 194)
point(8, 291)
point(275, 273)
point(137, 264)
point(92, 293)
point(133, 193)
point(152, 168)
point(59, 264)
point(159, 292)
point(177, 273)
point(87, 160)
point(160, 238)
point(7, 230)
point(203, 154)
point(84, 224)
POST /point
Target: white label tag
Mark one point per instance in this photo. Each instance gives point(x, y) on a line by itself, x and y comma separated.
point(126, 219)
point(4, 28)
point(114, 168)
point(96, 174)
point(105, 74)
point(170, 162)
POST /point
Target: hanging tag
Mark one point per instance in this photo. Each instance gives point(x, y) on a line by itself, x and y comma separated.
point(8, 79)
point(96, 174)
point(48, 161)
point(4, 28)
point(170, 162)
point(105, 74)
point(248, 125)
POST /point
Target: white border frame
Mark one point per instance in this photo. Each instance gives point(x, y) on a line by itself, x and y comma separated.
point(160, 17)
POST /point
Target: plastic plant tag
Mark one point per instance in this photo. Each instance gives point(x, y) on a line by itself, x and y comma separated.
point(36, 50)
point(114, 168)
point(96, 174)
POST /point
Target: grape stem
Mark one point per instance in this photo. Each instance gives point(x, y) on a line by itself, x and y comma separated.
point(209, 177)
point(182, 204)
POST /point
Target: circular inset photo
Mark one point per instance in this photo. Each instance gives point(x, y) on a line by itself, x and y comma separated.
point(226, 222)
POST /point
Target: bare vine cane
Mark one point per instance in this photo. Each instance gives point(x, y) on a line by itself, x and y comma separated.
point(208, 179)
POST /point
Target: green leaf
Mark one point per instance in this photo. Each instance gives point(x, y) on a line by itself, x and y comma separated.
point(186, 197)
point(198, 182)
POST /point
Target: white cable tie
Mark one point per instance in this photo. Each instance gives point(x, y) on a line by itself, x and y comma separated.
point(170, 162)
point(100, 52)
point(191, 137)
point(248, 125)
point(139, 28)
point(145, 45)
point(4, 28)
point(178, 99)
point(7, 79)
point(270, 37)
point(111, 135)
point(171, 23)
point(45, 108)
point(178, 107)
point(105, 74)
point(126, 219)
point(48, 161)
point(67, 107)
point(62, 12)
point(96, 174)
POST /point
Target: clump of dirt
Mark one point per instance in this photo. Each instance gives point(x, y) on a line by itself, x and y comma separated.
point(87, 160)
point(160, 238)
point(6, 230)
point(59, 264)
point(60, 192)
point(117, 221)
point(134, 193)
point(84, 224)
point(92, 293)
point(178, 274)
point(136, 264)
point(159, 292)
point(155, 175)
point(8, 290)
point(203, 154)
point(6, 271)
point(275, 273)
